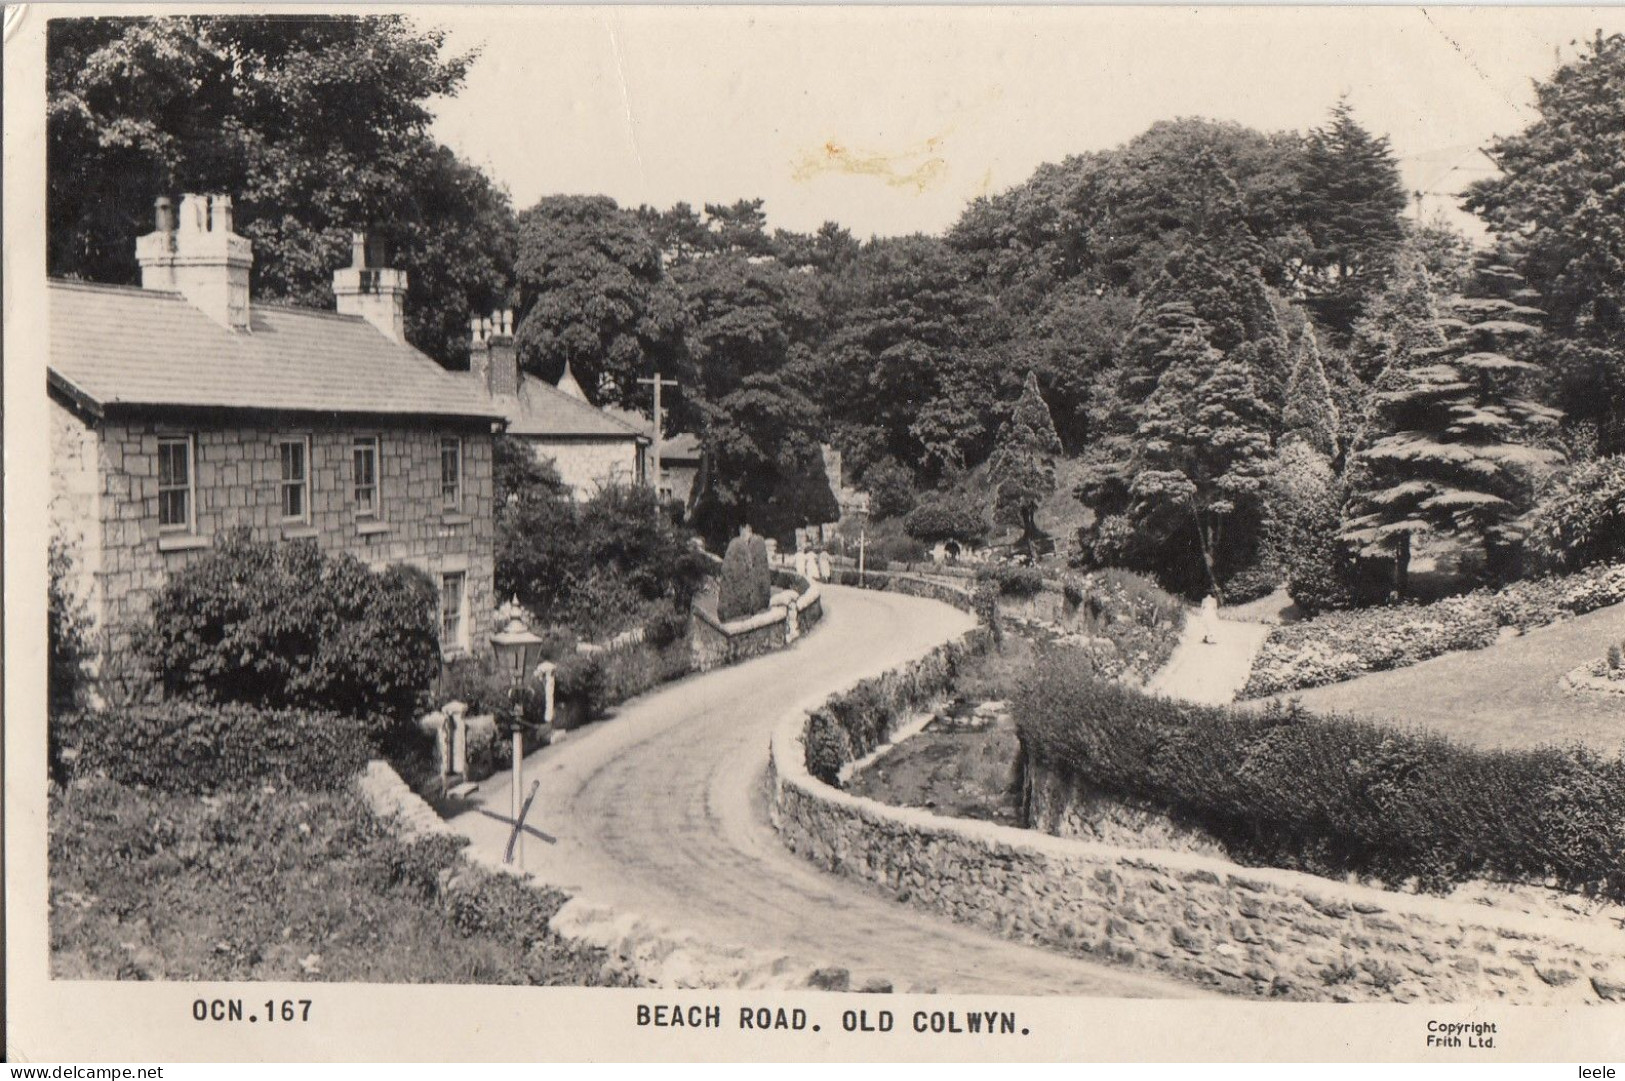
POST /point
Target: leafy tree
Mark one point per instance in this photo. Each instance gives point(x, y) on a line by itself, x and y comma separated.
point(890, 487)
point(595, 296)
point(910, 368)
point(1351, 205)
point(317, 127)
point(1454, 444)
point(1022, 467)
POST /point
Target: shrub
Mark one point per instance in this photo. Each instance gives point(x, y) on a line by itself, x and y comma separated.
point(1012, 579)
point(1251, 583)
point(580, 679)
point(66, 631)
point(666, 626)
point(1341, 645)
point(746, 583)
point(896, 549)
point(283, 625)
point(632, 670)
point(198, 747)
point(596, 566)
point(1332, 795)
point(1581, 519)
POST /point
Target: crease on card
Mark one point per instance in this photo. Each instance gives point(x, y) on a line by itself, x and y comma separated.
point(626, 95)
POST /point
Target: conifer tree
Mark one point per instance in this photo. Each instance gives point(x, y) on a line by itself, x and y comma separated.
point(1311, 413)
point(1352, 208)
point(1202, 451)
point(1022, 467)
point(1453, 443)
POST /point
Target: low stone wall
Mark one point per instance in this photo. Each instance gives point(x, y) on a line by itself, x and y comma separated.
point(914, 585)
point(1250, 931)
point(716, 643)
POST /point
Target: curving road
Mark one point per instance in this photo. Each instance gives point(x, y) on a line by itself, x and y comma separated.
point(661, 812)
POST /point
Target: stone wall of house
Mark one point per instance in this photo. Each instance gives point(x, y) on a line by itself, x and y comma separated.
point(1250, 931)
point(238, 477)
point(588, 465)
point(74, 509)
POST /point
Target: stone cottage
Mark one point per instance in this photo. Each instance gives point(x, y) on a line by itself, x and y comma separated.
point(590, 448)
point(181, 409)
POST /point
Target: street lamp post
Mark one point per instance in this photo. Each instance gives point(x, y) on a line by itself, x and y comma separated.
point(516, 647)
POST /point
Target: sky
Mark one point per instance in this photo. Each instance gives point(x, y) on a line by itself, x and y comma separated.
point(890, 120)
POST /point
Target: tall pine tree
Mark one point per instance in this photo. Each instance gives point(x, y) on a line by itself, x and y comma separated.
point(1022, 466)
point(1202, 453)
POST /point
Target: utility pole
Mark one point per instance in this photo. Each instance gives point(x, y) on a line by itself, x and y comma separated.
point(657, 382)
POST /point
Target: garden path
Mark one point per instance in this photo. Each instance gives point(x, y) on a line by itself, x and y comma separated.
point(660, 813)
point(1210, 673)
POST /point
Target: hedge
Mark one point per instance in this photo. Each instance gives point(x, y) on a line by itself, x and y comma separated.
point(1334, 795)
point(851, 725)
point(194, 747)
point(1342, 645)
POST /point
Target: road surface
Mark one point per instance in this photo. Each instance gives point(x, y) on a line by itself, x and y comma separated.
point(660, 811)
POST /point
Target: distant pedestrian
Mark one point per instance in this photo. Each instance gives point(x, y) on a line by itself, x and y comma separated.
point(1210, 619)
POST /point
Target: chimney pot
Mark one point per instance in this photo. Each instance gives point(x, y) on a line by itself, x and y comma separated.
point(196, 254)
point(376, 293)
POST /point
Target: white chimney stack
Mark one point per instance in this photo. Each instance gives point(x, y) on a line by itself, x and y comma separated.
point(377, 294)
point(196, 254)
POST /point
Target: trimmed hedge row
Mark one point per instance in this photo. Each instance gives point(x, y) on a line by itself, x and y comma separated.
point(1334, 795)
point(195, 747)
point(1342, 645)
point(851, 725)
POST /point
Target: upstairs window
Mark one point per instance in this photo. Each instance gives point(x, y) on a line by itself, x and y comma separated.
point(295, 458)
point(451, 473)
point(365, 457)
point(175, 484)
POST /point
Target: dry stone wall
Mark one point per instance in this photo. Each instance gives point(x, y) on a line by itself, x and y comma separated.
point(1251, 931)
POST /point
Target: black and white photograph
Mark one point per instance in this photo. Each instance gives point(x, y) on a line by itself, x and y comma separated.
point(824, 533)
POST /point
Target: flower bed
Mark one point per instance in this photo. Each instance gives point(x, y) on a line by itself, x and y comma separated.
point(1342, 645)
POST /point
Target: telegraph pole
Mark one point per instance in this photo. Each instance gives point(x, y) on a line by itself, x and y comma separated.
point(657, 382)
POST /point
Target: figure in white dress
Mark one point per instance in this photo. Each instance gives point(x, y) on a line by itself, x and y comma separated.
point(1210, 619)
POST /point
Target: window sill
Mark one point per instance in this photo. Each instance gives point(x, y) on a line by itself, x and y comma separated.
point(372, 529)
point(449, 518)
point(299, 532)
point(182, 542)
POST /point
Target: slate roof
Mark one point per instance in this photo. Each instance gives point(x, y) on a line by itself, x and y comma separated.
point(117, 346)
point(541, 409)
point(672, 448)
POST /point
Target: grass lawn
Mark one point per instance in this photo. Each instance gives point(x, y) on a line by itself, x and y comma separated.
point(1508, 695)
point(284, 885)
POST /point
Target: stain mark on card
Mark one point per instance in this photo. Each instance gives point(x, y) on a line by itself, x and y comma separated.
point(921, 167)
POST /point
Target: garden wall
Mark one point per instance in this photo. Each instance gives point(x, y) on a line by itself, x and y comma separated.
point(1251, 931)
point(716, 643)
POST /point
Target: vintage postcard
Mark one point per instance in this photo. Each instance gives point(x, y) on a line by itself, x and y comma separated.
point(837, 533)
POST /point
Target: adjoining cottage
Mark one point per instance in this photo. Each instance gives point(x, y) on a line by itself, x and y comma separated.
point(590, 448)
point(180, 409)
